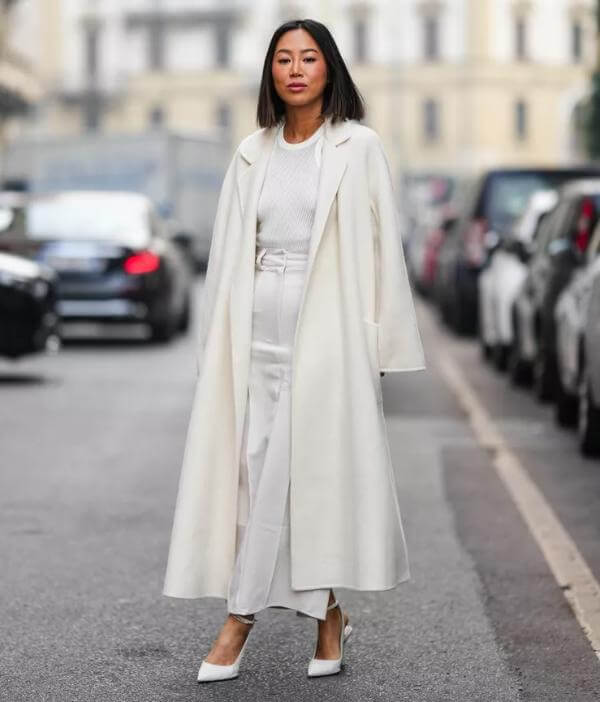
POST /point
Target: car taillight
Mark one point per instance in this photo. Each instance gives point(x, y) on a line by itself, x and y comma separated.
point(474, 242)
point(143, 262)
point(585, 224)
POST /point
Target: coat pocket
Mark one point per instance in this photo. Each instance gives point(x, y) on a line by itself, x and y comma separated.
point(372, 333)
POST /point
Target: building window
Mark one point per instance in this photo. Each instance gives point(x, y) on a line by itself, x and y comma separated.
point(224, 115)
point(91, 50)
point(431, 120)
point(521, 120)
point(92, 107)
point(156, 116)
point(156, 44)
point(521, 38)
point(577, 41)
point(431, 38)
point(222, 38)
point(360, 40)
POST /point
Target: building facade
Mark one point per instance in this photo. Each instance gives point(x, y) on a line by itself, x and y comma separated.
point(20, 86)
point(449, 84)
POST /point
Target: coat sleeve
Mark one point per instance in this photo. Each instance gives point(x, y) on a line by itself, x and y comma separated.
point(399, 341)
point(215, 270)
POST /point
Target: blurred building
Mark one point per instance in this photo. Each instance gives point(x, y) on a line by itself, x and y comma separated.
point(20, 87)
point(449, 84)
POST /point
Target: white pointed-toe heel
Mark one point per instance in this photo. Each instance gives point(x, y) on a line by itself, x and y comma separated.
point(330, 666)
point(213, 671)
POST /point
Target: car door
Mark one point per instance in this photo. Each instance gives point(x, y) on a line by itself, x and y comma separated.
point(567, 252)
point(591, 314)
point(524, 308)
point(569, 315)
point(552, 251)
point(528, 302)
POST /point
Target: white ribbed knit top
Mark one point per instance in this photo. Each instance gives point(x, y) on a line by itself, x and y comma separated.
point(287, 200)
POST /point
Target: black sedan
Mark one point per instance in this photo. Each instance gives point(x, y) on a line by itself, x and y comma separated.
point(114, 259)
point(28, 319)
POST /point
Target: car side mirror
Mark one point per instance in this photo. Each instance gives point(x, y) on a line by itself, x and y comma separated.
point(560, 247)
point(519, 248)
point(524, 251)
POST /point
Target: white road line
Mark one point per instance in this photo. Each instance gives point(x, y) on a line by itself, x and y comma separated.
point(570, 570)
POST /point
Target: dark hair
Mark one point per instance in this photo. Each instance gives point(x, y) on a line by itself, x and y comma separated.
point(341, 98)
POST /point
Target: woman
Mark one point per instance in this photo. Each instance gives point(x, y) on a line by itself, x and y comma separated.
point(287, 488)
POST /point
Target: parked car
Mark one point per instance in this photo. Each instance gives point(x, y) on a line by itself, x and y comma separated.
point(494, 201)
point(558, 254)
point(426, 198)
point(181, 173)
point(575, 319)
point(113, 256)
point(28, 319)
point(434, 241)
point(503, 275)
point(589, 385)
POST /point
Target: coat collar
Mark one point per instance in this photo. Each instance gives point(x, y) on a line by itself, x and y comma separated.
point(253, 145)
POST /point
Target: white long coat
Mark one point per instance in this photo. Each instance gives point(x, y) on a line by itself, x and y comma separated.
point(356, 318)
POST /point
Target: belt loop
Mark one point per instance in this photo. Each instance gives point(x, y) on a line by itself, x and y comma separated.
point(259, 258)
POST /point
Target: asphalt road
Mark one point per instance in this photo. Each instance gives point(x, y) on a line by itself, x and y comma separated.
point(91, 442)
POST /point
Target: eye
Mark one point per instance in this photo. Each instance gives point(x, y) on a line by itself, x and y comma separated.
point(312, 59)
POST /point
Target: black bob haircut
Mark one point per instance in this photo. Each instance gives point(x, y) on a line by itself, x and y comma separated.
point(341, 98)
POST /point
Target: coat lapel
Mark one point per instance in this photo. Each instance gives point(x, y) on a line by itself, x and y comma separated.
point(333, 164)
point(249, 184)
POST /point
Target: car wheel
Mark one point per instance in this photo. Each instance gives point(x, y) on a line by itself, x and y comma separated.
point(543, 380)
point(566, 408)
point(485, 349)
point(162, 331)
point(445, 310)
point(589, 419)
point(500, 356)
point(459, 320)
point(519, 370)
point(184, 319)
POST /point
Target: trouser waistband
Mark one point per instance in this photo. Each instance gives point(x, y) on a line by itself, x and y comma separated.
point(279, 259)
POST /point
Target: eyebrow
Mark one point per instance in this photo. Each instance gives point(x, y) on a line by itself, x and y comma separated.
point(289, 51)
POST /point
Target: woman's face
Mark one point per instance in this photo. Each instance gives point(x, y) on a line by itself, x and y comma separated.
point(298, 60)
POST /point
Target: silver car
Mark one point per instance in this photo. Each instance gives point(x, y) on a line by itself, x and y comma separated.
point(577, 316)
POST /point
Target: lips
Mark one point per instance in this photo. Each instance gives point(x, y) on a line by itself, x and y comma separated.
point(296, 85)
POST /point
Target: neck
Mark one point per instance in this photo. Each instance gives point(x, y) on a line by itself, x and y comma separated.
point(300, 123)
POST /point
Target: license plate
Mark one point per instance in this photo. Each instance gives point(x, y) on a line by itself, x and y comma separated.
point(96, 308)
point(75, 264)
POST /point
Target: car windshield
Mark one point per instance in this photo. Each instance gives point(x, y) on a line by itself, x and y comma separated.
point(118, 219)
point(509, 193)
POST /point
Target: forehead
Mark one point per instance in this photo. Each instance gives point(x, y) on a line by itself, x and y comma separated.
point(296, 40)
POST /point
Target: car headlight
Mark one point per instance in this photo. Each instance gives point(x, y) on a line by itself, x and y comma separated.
point(7, 278)
point(39, 289)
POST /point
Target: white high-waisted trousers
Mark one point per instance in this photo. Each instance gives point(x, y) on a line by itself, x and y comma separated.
point(261, 576)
